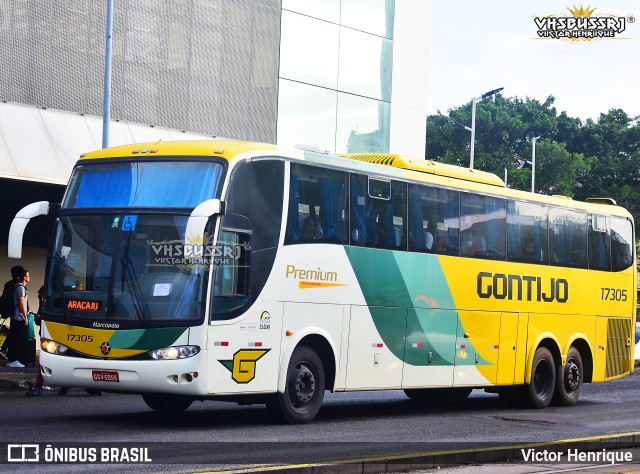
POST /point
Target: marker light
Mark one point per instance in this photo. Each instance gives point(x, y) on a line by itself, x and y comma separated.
point(52, 347)
point(174, 352)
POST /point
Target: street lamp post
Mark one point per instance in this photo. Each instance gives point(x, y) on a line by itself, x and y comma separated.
point(106, 102)
point(533, 164)
point(473, 119)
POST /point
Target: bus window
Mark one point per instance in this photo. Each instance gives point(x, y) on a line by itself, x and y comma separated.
point(433, 220)
point(442, 206)
point(231, 275)
point(482, 227)
point(317, 206)
point(254, 209)
point(621, 244)
point(379, 219)
point(568, 238)
point(599, 243)
point(527, 232)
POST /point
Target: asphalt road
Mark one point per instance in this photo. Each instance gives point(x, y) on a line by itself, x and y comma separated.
point(219, 435)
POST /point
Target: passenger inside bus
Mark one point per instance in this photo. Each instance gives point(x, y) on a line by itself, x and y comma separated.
point(474, 245)
point(311, 230)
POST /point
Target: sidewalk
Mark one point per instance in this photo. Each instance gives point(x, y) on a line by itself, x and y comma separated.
point(16, 379)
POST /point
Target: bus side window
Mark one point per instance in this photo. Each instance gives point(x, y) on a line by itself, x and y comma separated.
point(317, 205)
point(425, 218)
point(599, 243)
point(527, 232)
point(483, 226)
point(621, 244)
point(568, 238)
point(231, 274)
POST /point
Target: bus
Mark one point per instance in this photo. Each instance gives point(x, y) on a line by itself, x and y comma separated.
point(239, 271)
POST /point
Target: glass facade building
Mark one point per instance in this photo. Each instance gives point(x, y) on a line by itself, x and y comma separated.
point(353, 75)
point(342, 75)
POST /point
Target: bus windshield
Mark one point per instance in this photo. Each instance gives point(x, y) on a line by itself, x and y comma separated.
point(124, 267)
point(173, 184)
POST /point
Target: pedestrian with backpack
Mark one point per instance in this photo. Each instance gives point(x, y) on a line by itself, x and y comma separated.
point(7, 305)
point(19, 320)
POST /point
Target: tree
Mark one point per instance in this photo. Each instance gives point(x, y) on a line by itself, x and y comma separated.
point(574, 158)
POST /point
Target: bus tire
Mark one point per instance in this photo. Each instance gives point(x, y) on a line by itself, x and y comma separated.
point(167, 404)
point(303, 390)
point(438, 395)
point(569, 379)
point(543, 379)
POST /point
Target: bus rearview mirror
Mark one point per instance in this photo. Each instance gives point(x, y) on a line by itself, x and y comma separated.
point(198, 220)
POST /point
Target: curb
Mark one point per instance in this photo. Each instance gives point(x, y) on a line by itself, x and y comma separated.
point(451, 458)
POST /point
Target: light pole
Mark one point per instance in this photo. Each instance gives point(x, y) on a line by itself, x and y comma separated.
point(106, 102)
point(533, 164)
point(473, 119)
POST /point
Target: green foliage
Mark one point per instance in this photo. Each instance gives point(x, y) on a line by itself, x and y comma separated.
point(573, 158)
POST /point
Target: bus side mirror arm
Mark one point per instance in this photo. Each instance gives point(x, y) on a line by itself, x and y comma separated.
point(198, 220)
point(19, 223)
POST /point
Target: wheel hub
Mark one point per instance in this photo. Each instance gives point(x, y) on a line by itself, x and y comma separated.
point(572, 376)
point(305, 385)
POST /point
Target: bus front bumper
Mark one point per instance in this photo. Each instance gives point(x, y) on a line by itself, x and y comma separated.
point(179, 377)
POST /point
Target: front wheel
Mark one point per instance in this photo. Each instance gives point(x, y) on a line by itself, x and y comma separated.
point(167, 404)
point(304, 388)
point(569, 380)
point(543, 379)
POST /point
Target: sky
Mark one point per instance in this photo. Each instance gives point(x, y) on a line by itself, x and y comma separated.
point(476, 46)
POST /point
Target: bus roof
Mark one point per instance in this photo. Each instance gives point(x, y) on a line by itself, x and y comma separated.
point(413, 169)
point(428, 166)
point(226, 149)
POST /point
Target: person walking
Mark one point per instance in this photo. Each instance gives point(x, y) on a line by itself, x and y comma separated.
point(39, 383)
point(7, 307)
point(19, 320)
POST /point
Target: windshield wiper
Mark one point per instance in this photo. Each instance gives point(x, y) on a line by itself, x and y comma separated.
point(60, 284)
point(137, 298)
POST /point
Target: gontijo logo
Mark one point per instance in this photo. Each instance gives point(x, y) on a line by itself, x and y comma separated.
point(309, 278)
point(583, 25)
point(243, 364)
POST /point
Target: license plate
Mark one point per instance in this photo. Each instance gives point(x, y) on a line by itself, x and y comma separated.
point(105, 376)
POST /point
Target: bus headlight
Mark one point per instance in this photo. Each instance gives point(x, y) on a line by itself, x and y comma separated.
point(52, 347)
point(174, 352)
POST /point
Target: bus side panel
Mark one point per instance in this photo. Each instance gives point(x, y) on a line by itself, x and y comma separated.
point(308, 319)
point(477, 345)
point(507, 352)
point(430, 348)
point(561, 329)
point(376, 347)
point(521, 348)
point(600, 353)
point(244, 356)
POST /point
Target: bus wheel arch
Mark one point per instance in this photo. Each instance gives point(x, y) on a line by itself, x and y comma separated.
point(325, 350)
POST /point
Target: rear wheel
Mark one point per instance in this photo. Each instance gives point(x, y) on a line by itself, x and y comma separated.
point(543, 379)
point(569, 380)
point(304, 388)
point(167, 404)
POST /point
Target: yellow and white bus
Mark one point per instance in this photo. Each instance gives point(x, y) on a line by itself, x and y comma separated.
point(238, 271)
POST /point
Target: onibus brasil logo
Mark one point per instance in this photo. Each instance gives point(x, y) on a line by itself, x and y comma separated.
point(583, 25)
